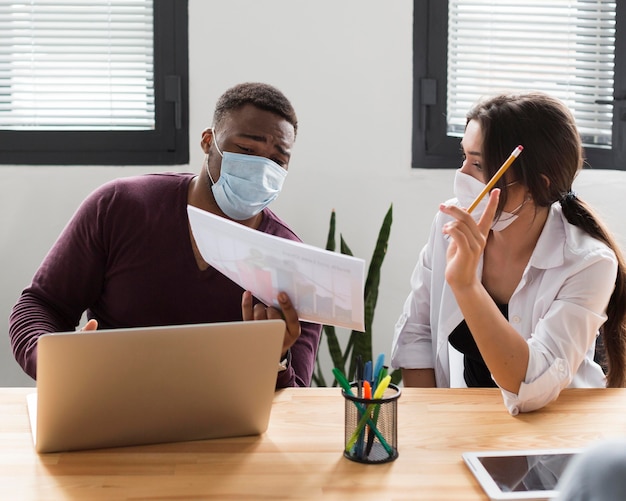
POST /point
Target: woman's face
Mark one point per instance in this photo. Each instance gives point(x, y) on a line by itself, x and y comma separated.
point(472, 147)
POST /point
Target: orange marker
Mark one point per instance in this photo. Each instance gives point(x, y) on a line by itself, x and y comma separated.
point(367, 390)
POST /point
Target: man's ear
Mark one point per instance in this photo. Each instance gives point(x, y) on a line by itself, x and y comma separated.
point(207, 139)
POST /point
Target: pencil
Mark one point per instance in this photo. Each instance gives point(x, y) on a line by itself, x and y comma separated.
point(507, 163)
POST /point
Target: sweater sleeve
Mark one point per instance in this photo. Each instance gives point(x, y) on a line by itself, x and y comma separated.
point(67, 281)
point(303, 353)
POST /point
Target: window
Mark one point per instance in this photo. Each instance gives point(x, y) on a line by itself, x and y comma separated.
point(572, 49)
point(87, 82)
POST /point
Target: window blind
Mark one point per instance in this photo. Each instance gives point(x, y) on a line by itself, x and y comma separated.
point(562, 47)
point(76, 65)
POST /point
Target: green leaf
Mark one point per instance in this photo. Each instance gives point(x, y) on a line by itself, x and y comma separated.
point(359, 343)
point(373, 275)
point(363, 341)
point(330, 241)
point(344, 246)
point(396, 376)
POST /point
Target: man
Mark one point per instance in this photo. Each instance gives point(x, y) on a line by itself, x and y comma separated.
point(128, 257)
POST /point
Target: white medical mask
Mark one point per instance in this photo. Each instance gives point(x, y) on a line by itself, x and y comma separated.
point(506, 218)
point(467, 188)
point(247, 183)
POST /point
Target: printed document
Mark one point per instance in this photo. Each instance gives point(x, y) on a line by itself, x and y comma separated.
point(325, 287)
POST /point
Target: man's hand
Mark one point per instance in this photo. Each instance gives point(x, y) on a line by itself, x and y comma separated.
point(261, 312)
point(92, 325)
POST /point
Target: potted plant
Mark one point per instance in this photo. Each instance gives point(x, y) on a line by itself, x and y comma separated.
point(359, 343)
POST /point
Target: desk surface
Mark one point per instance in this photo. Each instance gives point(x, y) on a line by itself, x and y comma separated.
point(300, 455)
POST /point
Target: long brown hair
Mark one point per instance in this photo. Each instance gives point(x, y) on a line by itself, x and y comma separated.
point(553, 152)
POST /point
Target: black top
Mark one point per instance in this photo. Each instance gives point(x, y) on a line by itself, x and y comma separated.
point(475, 370)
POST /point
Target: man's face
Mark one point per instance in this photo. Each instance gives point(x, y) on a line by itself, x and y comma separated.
point(252, 131)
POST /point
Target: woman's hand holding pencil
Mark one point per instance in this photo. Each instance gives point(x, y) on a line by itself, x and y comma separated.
point(469, 237)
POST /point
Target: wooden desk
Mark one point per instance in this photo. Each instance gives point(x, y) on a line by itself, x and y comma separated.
point(300, 455)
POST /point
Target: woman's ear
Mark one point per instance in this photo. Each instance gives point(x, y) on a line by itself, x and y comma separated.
point(546, 180)
point(207, 138)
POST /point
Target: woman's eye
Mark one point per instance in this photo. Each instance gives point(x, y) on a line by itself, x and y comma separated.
point(464, 159)
point(474, 164)
point(244, 149)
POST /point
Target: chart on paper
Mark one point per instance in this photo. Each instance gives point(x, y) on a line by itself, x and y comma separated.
point(325, 287)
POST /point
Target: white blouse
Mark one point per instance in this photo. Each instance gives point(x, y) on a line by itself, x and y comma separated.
point(558, 307)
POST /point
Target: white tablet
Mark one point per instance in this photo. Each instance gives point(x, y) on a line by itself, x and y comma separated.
point(520, 474)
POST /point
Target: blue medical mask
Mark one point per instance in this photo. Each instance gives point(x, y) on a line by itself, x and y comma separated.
point(247, 183)
point(467, 188)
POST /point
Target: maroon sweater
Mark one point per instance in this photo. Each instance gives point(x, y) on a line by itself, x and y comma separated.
point(126, 258)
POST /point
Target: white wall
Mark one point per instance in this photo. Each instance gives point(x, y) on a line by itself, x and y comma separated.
point(346, 66)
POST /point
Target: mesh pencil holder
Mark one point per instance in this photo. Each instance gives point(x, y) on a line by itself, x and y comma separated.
point(371, 427)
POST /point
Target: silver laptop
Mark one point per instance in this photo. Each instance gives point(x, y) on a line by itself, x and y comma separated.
point(123, 387)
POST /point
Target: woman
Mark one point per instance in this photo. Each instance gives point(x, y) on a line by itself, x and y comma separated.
point(514, 294)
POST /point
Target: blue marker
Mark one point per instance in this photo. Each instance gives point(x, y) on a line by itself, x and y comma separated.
point(380, 361)
point(367, 371)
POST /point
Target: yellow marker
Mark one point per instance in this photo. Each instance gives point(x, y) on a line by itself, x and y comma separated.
point(382, 386)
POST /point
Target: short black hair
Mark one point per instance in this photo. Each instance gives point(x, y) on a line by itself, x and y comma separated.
point(261, 95)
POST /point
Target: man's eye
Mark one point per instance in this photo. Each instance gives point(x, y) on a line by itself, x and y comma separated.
point(279, 161)
point(244, 149)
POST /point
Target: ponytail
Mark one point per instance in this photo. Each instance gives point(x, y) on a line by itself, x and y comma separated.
point(613, 331)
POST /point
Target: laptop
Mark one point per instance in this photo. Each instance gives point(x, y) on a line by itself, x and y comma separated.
point(123, 387)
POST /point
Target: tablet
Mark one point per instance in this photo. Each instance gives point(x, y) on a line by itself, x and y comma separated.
point(519, 474)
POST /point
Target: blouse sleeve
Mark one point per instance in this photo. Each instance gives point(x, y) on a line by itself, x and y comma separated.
point(563, 336)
